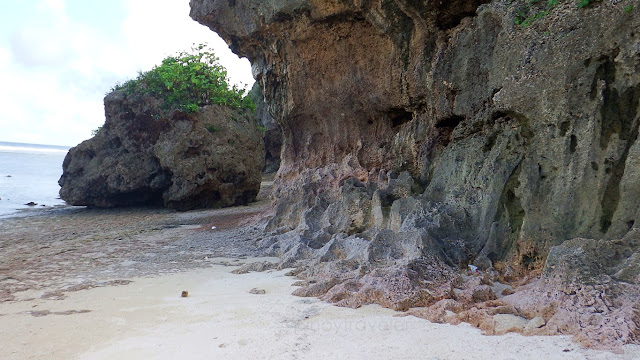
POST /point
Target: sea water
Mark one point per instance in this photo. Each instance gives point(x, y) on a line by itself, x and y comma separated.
point(29, 173)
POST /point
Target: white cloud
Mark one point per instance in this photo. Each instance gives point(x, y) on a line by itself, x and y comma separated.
point(155, 29)
point(39, 46)
point(56, 69)
point(57, 6)
point(41, 41)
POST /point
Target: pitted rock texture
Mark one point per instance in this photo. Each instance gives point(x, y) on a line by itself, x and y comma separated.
point(593, 287)
point(143, 156)
point(420, 137)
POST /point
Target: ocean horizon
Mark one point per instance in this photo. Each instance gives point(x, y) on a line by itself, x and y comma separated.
point(19, 146)
point(29, 173)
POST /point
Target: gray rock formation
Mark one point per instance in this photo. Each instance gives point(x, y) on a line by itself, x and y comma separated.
point(211, 158)
point(420, 137)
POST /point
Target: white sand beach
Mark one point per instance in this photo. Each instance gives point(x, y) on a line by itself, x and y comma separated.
point(221, 319)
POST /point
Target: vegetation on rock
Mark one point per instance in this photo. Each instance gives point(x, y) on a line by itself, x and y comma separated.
point(188, 81)
point(528, 11)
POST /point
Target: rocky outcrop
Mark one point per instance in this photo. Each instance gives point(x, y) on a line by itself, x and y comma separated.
point(593, 287)
point(142, 156)
point(420, 137)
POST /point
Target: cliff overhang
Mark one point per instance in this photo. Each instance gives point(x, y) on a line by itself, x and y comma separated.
point(423, 137)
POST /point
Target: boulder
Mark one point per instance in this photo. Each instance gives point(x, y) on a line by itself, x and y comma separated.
point(146, 156)
point(535, 323)
point(504, 323)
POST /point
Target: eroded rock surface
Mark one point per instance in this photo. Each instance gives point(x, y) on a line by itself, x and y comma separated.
point(420, 137)
point(141, 156)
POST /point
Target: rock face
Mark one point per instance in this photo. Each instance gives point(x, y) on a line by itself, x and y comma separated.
point(593, 286)
point(272, 132)
point(420, 137)
point(211, 158)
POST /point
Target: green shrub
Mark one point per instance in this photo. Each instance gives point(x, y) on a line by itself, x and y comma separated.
point(211, 128)
point(188, 81)
point(529, 11)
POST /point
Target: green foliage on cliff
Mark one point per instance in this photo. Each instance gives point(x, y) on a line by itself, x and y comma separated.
point(211, 128)
point(528, 11)
point(585, 3)
point(187, 81)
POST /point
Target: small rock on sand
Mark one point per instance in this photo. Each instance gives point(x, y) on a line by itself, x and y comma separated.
point(535, 323)
point(257, 291)
point(503, 323)
point(185, 294)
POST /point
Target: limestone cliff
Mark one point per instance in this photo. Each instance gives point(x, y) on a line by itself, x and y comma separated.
point(422, 136)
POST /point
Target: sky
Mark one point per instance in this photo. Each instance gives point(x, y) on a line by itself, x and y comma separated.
point(58, 59)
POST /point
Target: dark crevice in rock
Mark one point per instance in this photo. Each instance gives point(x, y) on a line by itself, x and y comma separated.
point(573, 144)
point(205, 199)
point(450, 122)
point(606, 71)
point(346, 17)
point(288, 14)
point(529, 259)
point(510, 214)
point(451, 13)
point(611, 196)
point(192, 152)
point(618, 114)
point(445, 129)
point(398, 117)
point(490, 141)
point(499, 115)
point(142, 197)
point(564, 128)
